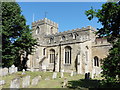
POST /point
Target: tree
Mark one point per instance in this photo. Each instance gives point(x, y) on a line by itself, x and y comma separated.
point(109, 17)
point(16, 35)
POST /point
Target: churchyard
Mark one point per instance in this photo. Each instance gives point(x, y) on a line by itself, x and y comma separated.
point(36, 79)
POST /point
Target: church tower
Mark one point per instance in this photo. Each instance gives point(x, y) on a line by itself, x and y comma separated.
point(44, 27)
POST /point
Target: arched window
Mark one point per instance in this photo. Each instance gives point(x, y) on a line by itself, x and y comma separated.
point(52, 56)
point(51, 29)
point(37, 30)
point(68, 55)
point(96, 61)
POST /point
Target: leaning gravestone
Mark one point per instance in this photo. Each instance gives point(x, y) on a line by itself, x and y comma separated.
point(35, 80)
point(54, 75)
point(15, 83)
point(26, 81)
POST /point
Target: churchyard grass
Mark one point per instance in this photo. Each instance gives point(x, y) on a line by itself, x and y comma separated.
point(46, 80)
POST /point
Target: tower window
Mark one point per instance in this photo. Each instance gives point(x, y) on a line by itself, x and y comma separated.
point(37, 30)
point(51, 30)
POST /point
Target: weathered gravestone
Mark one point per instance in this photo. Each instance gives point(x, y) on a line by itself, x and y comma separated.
point(15, 83)
point(2, 82)
point(0, 71)
point(71, 73)
point(15, 69)
point(4, 71)
point(62, 75)
point(54, 75)
point(26, 81)
point(44, 68)
point(12, 69)
point(65, 83)
point(23, 71)
point(35, 80)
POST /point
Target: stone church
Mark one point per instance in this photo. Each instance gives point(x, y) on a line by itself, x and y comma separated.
point(78, 50)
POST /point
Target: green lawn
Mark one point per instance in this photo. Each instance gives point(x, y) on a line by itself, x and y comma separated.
point(76, 81)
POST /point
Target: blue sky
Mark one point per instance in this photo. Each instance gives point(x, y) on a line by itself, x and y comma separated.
point(69, 15)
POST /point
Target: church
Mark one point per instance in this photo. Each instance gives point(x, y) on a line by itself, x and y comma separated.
point(77, 50)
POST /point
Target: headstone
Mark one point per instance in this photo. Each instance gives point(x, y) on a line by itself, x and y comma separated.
point(35, 80)
point(48, 78)
point(65, 83)
point(4, 71)
point(0, 71)
point(25, 81)
point(62, 75)
point(44, 68)
point(23, 71)
point(12, 69)
point(71, 73)
point(32, 70)
point(2, 82)
point(16, 69)
point(54, 75)
point(15, 83)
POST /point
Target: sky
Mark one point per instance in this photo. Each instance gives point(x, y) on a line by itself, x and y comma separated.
point(68, 15)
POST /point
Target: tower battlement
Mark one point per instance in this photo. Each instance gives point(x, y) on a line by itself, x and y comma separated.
point(45, 21)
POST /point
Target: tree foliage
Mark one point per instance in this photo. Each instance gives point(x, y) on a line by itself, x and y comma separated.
point(16, 35)
point(109, 17)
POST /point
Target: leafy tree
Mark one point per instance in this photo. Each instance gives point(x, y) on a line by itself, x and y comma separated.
point(109, 17)
point(16, 36)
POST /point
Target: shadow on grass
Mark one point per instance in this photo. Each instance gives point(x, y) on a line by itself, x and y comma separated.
point(84, 83)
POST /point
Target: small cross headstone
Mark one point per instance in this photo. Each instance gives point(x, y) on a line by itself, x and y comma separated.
point(54, 75)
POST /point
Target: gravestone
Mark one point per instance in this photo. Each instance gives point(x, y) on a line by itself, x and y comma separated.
point(12, 69)
point(71, 73)
point(62, 75)
point(44, 68)
point(15, 83)
point(54, 75)
point(4, 71)
point(35, 80)
point(23, 71)
point(15, 69)
point(0, 71)
point(25, 81)
point(65, 83)
point(2, 82)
